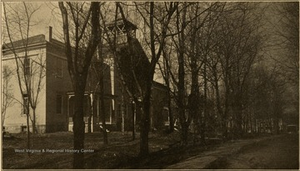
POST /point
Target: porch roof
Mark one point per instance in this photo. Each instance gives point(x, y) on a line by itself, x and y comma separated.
point(111, 96)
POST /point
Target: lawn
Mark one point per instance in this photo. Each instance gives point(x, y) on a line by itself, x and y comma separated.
point(121, 152)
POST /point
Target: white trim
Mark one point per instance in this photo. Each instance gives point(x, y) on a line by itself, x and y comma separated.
point(13, 56)
point(21, 49)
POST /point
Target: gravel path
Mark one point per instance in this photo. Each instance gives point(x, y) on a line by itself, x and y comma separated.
point(250, 153)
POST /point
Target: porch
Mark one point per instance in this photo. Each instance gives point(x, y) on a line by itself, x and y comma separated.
point(92, 113)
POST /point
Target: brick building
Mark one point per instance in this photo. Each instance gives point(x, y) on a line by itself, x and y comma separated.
point(56, 98)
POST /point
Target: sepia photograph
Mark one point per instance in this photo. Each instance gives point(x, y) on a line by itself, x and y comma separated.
point(150, 85)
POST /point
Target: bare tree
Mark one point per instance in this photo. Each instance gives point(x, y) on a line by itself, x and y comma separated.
point(96, 86)
point(150, 13)
point(77, 17)
point(164, 68)
point(284, 50)
point(137, 77)
point(266, 98)
point(238, 48)
point(201, 44)
point(30, 71)
point(7, 95)
point(286, 39)
point(101, 89)
point(100, 76)
point(186, 29)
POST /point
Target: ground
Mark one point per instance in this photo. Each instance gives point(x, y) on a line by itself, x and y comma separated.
point(270, 152)
point(280, 151)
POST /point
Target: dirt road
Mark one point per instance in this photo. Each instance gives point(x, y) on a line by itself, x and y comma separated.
point(281, 152)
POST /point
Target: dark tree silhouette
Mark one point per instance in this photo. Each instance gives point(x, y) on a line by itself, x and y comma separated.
point(79, 57)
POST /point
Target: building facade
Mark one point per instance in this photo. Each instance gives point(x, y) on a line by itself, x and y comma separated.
point(50, 79)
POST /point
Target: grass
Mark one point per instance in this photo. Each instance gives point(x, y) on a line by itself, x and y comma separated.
point(121, 152)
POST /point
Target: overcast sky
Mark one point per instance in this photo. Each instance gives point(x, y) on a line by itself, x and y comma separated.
point(49, 15)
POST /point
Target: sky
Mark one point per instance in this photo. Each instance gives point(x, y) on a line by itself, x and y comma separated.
point(49, 15)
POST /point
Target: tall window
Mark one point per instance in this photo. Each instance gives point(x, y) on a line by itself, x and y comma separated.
point(59, 102)
point(27, 66)
point(25, 104)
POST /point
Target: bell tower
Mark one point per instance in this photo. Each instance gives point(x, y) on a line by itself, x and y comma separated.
point(120, 27)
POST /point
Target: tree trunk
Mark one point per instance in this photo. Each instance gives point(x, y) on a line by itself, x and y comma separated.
point(33, 123)
point(78, 72)
point(167, 80)
point(238, 119)
point(145, 121)
point(277, 125)
point(34, 128)
point(184, 133)
point(101, 87)
point(218, 103)
point(78, 128)
point(181, 103)
point(122, 112)
point(226, 108)
point(133, 119)
point(205, 102)
point(171, 121)
point(90, 124)
point(28, 133)
point(181, 73)
point(91, 114)
point(166, 77)
point(193, 102)
point(105, 139)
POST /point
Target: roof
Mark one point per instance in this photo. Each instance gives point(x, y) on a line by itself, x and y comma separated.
point(119, 22)
point(31, 40)
point(159, 85)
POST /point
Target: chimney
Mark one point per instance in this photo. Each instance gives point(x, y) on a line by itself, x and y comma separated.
point(50, 33)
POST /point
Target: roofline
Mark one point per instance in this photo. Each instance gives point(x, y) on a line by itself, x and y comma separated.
point(22, 47)
point(40, 44)
point(18, 50)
